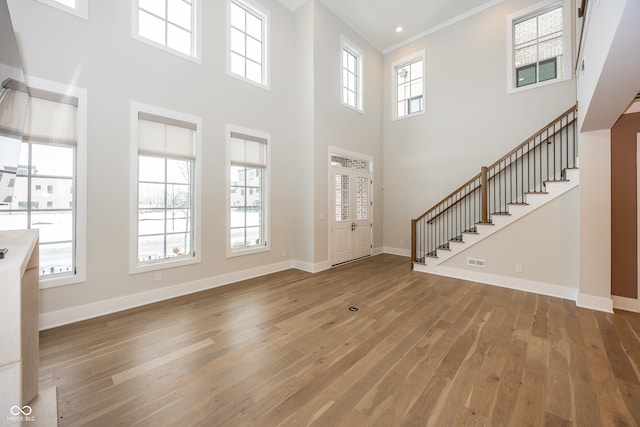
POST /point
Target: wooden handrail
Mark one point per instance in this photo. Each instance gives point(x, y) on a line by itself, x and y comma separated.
point(448, 197)
point(542, 141)
point(534, 136)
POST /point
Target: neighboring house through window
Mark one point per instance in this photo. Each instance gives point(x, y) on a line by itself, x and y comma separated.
point(351, 75)
point(247, 45)
point(248, 179)
point(165, 193)
point(539, 45)
point(409, 86)
point(52, 156)
point(172, 25)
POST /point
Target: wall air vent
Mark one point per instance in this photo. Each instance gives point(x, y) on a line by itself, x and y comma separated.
point(475, 262)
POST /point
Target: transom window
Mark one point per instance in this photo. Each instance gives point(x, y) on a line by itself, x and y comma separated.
point(248, 202)
point(248, 42)
point(169, 24)
point(409, 83)
point(351, 76)
point(166, 209)
point(539, 46)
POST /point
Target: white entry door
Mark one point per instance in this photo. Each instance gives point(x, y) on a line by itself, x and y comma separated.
point(351, 218)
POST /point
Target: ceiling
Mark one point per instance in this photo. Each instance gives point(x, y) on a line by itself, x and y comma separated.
point(377, 20)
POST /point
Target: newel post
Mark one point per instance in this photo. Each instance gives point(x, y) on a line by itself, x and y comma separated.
point(484, 185)
point(413, 242)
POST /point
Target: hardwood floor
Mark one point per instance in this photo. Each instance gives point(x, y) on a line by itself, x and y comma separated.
point(286, 350)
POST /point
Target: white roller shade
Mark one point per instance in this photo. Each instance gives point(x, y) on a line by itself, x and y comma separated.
point(50, 121)
point(248, 150)
point(13, 109)
point(165, 137)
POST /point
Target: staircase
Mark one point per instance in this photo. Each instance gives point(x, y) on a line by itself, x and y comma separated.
point(534, 173)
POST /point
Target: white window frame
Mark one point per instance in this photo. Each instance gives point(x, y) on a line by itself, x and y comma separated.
point(80, 183)
point(266, 180)
point(265, 14)
point(134, 265)
point(394, 84)
point(567, 52)
point(196, 33)
point(352, 49)
point(81, 10)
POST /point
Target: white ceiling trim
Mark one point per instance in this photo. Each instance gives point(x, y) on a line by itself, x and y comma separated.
point(443, 25)
point(351, 25)
point(292, 5)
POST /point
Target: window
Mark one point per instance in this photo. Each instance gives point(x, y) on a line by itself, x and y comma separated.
point(172, 25)
point(79, 8)
point(53, 156)
point(409, 84)
point(247, 56)
point(165, 189)
point(539, 47)
point(351, 75)
point(248, 180)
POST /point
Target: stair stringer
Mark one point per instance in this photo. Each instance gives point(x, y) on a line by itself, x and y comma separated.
point(534, 201)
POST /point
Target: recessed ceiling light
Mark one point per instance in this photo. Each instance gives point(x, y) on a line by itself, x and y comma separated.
point(398, 29)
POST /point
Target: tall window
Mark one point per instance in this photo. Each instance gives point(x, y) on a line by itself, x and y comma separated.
point(75, 7)
point(49, 161)
point(539, 47)
point(248, 178)
point(409, 83)
point(351, 76)
point(165, 220)
point(248, 42)
point(168, 24)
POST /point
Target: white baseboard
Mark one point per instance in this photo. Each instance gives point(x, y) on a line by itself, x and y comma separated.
point(82, 312)
point(377, 251)
point(503, 281)
point(310, 267)
point(397, 251)
point(626, 304)
point(595, 303)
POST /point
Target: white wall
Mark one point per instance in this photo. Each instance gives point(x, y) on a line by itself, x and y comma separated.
point(595, 219)
point(470, 119)
point(339, 126)
point(545, 243)
point(303, 119)
point(99, 55)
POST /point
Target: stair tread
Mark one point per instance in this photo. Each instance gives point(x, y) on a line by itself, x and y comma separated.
point(537, 192)
point(518, 203)
point(501, 213)
point(556, 180)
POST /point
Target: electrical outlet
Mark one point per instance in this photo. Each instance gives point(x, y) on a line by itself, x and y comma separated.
point(158, 277)
point(284, 252)
point(519, 268)
point(401, 242)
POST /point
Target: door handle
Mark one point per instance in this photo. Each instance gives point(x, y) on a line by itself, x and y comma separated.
point(353, 226)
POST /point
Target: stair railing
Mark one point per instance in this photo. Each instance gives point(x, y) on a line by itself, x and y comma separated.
point(541, 158)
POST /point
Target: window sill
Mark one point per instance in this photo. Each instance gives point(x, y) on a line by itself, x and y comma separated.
point(163, 264)
point(511, 90)
point(352, 108)
point(60, 280)
point(419, 113)
point(195, 59)
point(249, 251)
point(266, 87)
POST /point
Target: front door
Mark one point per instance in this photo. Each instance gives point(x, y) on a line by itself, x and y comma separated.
point(351, 218)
